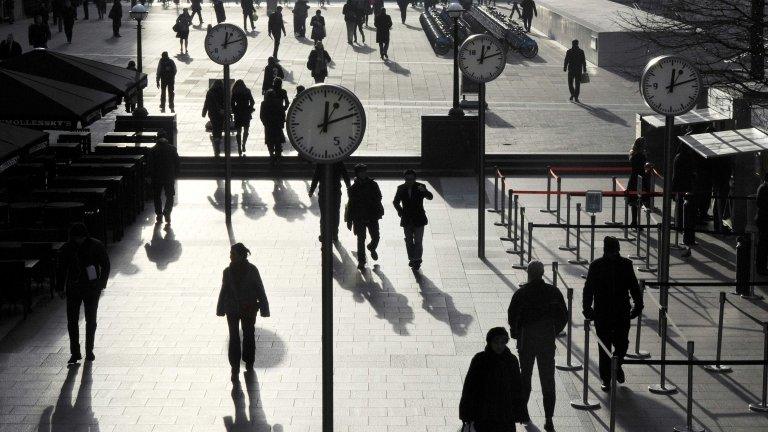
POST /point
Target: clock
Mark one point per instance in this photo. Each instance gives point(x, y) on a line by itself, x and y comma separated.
point(325, 123)
point(482, 58)
point(226, 43)
point(670, 85)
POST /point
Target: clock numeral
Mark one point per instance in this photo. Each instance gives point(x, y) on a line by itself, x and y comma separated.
point(336, 141)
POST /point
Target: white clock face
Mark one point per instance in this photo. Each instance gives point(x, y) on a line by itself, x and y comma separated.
point(670, 85)
point(325, 123)
point(225, 44)
point(482, 58)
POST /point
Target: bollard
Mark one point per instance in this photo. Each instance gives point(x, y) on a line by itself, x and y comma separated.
point(638, 354)
point(661, 388)
point(569, 364)
point(549, 191)
point(517, 206)
point(503, 192)
point(614, 372)
point(495, 208)
point(647, 268)
point(559, 189)
point(762, 406)
point(509, 218)
point(717, 368)
point(520, 250)
point(578, 259)
point(689, 397)
point(585, 403)
point(613, 221)
point(567, 246)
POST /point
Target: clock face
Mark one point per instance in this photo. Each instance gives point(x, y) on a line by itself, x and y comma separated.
point(225, 44)
point(670, 85)
point(482, 58)
point(325, 123)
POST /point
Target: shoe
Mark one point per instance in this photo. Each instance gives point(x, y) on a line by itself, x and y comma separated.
point(620, 378)
point(374, 254)
point(570, 98)
point(605, 386)
point(159, 218)
point(416, 265)
point(235, 373)
point(248, 367)
point(74, 358)
point(686, 253)
point(549, 426)
point(173, 111)
point(118, 35)
point(162, 110)
point(411, 263)
point(90, 357)
point(577, 100)
point(361, 266)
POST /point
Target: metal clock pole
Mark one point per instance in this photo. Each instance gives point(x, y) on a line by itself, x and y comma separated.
point(327, 298)
point(481, 173)
point(666, 208)
point(227, 159)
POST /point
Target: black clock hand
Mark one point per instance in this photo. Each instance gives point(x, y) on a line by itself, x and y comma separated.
point(337, 120)
point(226, 38)
point(671, 81)
point(682, 82)
point(325, 119)
point(493, 55)
point(335, 105)
point(482, 54)
point(231, 42)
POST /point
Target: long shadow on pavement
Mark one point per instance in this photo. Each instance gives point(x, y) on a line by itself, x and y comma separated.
point(65, 416)
point(456, 320)
point(254, 419)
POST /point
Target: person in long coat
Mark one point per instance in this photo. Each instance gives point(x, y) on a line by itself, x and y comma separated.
point(272, 116)
point(318, 62)
point(242, 295)
point(116, 15)
point(637, 160)
point(39, 34)
point(271, 71)
point(383, 24)
point(364, 212)
point(183, 22)
point(242, 108)
point(300, 13)
point(214, 108)
point(491, 397)
point(318, 27)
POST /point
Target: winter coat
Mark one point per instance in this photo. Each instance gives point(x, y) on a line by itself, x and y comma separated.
point(39, 34)
point(339, 173)
point(537, 310)
point(492, 393)
point(365, 201)
point(382, 23)
point(165, 163)
point(116, 12)
point(242, 106)
point(574, 62)
point(182, 25)
point(319, 70)
point(350, 13)
point(610, 282)
point(242, 292)
point(272, 116)
point(270, 73)
point(166, 70)
point(637, 161)
point(214, 105)
point(196, 6)
point(275, 25)
point(74, 263)
point(318, 28)
point(410, 208)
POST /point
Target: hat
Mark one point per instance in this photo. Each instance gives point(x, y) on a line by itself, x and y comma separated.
point(496, 331)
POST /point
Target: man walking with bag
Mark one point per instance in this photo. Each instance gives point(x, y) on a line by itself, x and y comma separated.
point(575, 64)
point(364, 212)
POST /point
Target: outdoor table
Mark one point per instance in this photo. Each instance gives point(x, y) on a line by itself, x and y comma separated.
point(46, 252)
point(98, 198)
point(141, 160)
point(30, 266)
point(66, 150)
point(116, 186)
point(130, 137)
point(130, 171)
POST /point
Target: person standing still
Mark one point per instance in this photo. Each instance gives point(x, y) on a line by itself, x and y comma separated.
point(130, 101)
point(197, 9)
point(761, 220)
point(339, 174)
point(300, 14)
point(242, 110)
point(610, 282)
point(39, 33)
point(83, 273)
point(318, 27)
point(165, 165)
point(182, 30)
point(242, 296)
point(409, 203)
point(637, 160)
point(575, 64)
point(165, 80)
point(350, 20)
point(383, 24)
point(9, 48)
point(68, 16)
point(364, 212)
point(116, 15)
point(318, 62)
point(536, 315)
point(529, 11)
point(275, 25)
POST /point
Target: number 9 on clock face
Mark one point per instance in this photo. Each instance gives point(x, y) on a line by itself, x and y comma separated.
point(325, 123)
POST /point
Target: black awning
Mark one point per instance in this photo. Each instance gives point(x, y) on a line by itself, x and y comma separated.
point(16, 142)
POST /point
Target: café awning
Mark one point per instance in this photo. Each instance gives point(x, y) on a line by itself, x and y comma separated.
point(16, 142)
point(693, 117)
point(727, 143)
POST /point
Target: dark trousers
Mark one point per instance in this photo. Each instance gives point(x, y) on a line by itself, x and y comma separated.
point(300, 26)
point(199, 17)
point(383, 48)
point(574, 83)
point(157, 191)
point(351, 31)
point(246, 18)
point(689, 220)
point(413, 238)
point(85, 10)
point(334, 212)
point(276, 45)
point(615, 335)
point(166, 86)
point(543, 353)
point(360, 229)
point(359, 27)
point(116, 27)
point(68, 30)
point(403, 11)
point(761, 257)
point(527, 19)
point(248, 351)
point(90, 299)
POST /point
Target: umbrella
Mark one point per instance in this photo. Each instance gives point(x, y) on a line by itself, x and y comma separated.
point(79, 71)
point(16, 142)
point(42, 103)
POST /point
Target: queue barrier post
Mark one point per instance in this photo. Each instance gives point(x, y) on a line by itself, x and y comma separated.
point(717, 368)
point(520, 250)
point(647, 268)
point(501, 212)
point(549, 190)
point(559, 190)
point(639, 354)
point(614, 374)
point(626, 236)
point(517, 207)
point(638, 241)
point(567, 246)
point(613, 221)
point(678, 218)
point(585, 403)
point(578, 259)
point(592, 237)
point(762, 406)
point(530, 241)
point(495, 208)
point(555, 271)
point(661, 388)
point(569, 364)
point(689, 396)
point(510, 203)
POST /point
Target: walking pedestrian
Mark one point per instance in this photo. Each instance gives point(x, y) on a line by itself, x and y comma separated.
point(83, 273)
point(197, 9)
point(350, 20)
point(116, 15)
point(165, 80)
point(409, 203)
point(181, 28)
point(637, 160)
point(536, 315)
point(318, 62)
point(9, 48)
point(529, 11)
point(722, 171)
point(101, 8)
point(218, 8)
point(403, 5)
point(318, 27)
point(56, 7)
point(165, 165)
point(130, 101)
point(271, 71)
point(364, 212)
point(761, 220)
point(248, 14)
point(575, 64)
point(214, 107)
point(515, 7)
point(85, 9)
point(683, 175)
point(272, 115)
point(300, 14)
point(339, 174)
point(68, 17)
point(378, 5)
point(275, 25)
point(242, 295)
point(39, 33)
point(383, 24)
point(361, 13)
point(610, 282)
point(242, 109)
point(491, 399)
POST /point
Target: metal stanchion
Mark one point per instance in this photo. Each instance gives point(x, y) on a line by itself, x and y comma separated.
point(678, 218)
point(662, 388)
point(530, 241)
point(638, 242)
point(503, 192)
point(689, 397)
point(592, 237)
point(647, 268)
point(626, 236)
point(517, 207)
point(613, 221)
point(520, 250)
point(510, 202)
point(549, 190)
point(495, 208)
point(567, 246)
point(569, 364)
point(578, 259)
point(585, 403)
point(638, 354)
point(614, 372)
point(762, 406)
point(555, 271)
point(559, 189)
point(717, 368)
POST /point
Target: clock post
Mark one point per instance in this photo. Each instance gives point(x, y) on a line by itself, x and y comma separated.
point(481, 172)
point(227, 150)
point(327, 298)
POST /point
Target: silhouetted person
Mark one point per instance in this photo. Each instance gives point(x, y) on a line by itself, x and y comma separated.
point(218, 8)
point(350, 20)
point(272, 116)
point(529, 11)
point(271, 71)
point(339, 174)
point(683, 175)
point(197, 8)
point(491, 399)
point(130, 101)
point(56, 7)
point(637, 160)
point(361, 15)
point(275, 26)
point(183, 22)
point(165, 80)
point(39, 33)
point(248, 11)
point(85, 9)
point(318, 62)
point(610, 282)
point(690, 208)
point(68, 14)
point(116, 15)
point(576, 64)
point(214, 107)
point(761, 220)
point(536, 315)
point(84, 270)
point(9, 48)
point(300, 14)
point(383, 24)
point(242, 110)
point(318, 27)
point(403, 6)
point(722, 170)
point(242, 295)
point(515, 7)
point(409, 203)
point(165, 164)
point(101, 8)
point(364, 212)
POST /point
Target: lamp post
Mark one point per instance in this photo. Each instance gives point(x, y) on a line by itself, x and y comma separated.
point(454, 11)
point(139, 12)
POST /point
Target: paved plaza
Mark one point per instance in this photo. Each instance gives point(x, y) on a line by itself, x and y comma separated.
point(529, 108)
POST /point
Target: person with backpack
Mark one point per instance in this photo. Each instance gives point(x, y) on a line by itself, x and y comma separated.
point(165, 80)
point(364, 212)
point(318, 62)
point(536, 315)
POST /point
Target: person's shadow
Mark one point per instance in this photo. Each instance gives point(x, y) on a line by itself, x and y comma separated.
point(397, 68)
point(249, 415)
point(163, 250)
point(431, 295)
point(251, 203)
point(184, 58)
point(287, 202)
point(603, 114)
point(63, 416)
point(217, 199)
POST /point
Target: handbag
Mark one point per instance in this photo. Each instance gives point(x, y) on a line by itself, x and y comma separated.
point(175, 27)
point(584, 78)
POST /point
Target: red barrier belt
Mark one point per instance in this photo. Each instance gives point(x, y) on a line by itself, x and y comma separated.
point(582, 193)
